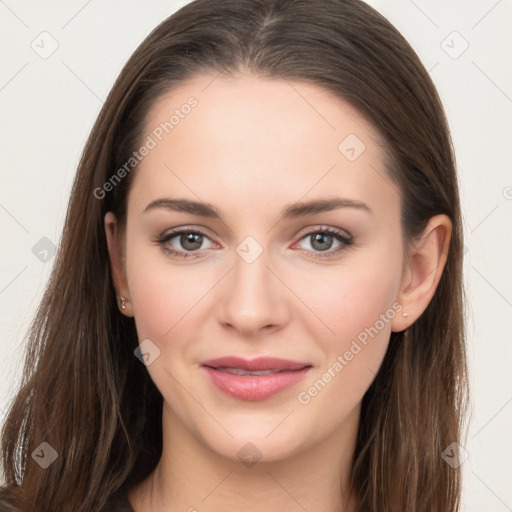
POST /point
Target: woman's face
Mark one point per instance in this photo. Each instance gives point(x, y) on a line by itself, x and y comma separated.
point(267, 276)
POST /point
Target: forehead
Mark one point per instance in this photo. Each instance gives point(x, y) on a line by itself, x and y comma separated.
point(249, 140)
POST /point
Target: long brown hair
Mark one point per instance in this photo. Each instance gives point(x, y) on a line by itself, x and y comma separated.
point(85, 394)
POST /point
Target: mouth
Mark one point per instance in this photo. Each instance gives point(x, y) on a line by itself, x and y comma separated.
point(254, 379)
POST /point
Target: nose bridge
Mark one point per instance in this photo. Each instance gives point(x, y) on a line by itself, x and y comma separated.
point(253, 294)
point(251, 279)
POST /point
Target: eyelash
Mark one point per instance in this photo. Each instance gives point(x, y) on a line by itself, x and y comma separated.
point(346, 241)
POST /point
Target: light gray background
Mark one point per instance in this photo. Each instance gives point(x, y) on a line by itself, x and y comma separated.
point(48, 107)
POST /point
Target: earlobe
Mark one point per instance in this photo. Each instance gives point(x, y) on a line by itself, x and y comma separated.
point(117, 264)
point(423, 269)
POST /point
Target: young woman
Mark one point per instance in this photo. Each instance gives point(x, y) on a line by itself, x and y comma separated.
point(257, 300)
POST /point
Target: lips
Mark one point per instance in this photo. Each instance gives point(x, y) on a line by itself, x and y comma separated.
point(260, 363)
point(254, 379)
point(239, 371)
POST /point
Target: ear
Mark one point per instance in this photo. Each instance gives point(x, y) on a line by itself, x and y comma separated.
point(423, 267)
point(117, 264)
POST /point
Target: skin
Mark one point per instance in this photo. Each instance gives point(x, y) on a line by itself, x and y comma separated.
point(250, 147)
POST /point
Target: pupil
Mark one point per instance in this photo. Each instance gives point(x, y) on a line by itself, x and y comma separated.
point(321, 237)
point(193, 238)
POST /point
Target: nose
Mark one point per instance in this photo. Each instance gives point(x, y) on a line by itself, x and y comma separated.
point(253, 297)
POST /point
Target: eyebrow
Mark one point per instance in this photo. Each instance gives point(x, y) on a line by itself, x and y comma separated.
point(294, 210)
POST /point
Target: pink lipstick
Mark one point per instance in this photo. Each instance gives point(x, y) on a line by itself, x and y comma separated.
point(254, 379)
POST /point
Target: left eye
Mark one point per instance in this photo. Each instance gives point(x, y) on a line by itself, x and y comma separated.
point(190, 240)
point(322, 240)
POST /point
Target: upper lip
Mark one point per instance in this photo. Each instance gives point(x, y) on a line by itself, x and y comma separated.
point(259, 363)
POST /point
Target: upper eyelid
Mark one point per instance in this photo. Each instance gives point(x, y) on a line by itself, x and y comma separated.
point(185, 229)
point(339, 231)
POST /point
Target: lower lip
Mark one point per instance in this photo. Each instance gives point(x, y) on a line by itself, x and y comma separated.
point(254, 387)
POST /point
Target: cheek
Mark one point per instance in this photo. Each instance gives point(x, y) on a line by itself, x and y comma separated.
point(162, 292)
point(355, 307)
point(349, 299)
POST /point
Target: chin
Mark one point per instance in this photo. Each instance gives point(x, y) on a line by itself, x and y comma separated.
point(260, 436)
